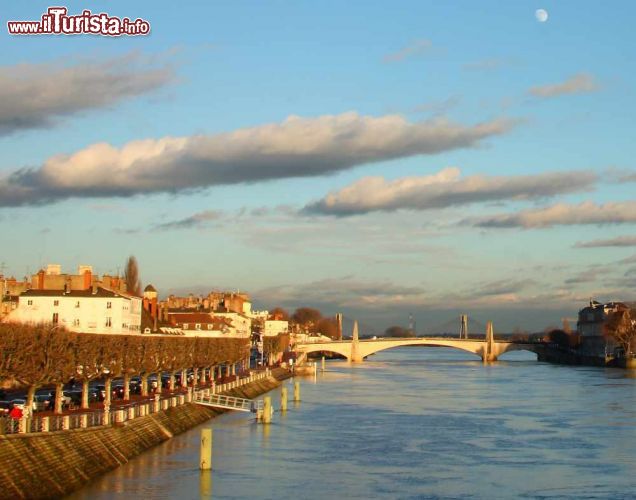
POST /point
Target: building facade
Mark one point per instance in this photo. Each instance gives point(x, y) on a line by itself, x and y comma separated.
point(591, 327)
point(95, 310)
point(272, 327)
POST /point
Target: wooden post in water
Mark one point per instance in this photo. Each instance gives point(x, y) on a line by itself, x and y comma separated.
point(296, 392)
point(267, 410)
point(205, 462)
point(283, 399)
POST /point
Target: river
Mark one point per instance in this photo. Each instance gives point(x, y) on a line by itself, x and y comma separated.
point(412, 423)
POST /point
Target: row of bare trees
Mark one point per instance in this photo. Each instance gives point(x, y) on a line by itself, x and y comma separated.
point(44, 355)
point(308, 319)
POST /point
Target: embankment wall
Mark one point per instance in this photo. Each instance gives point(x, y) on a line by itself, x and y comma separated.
point(51, 465)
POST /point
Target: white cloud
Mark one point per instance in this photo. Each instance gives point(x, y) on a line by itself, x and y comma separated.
point(195, 220)
point(620, 241)
point(297, 147)
point(37, 95)
point(418, 47)
point(585, 213)
point(444, 189)
point(578, 84)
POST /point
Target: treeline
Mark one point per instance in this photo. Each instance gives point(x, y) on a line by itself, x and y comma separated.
point(43, 355)
point(309, 320)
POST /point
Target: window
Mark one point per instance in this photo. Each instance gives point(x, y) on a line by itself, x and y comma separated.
point(56, 302)
point(109, 322)
point(76, 322)
point(29, 302)
point(109, 305)
point(185, 326)
point(210, 326)
point(77, 304)
point(56, 318)
point(198, 326)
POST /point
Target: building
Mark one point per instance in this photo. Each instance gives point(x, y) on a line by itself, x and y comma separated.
point(591, 327)
point(273, 327)
point(93, 310)
point(197, 324)
point(53, 279)
point(213, 302)
point(10, 290)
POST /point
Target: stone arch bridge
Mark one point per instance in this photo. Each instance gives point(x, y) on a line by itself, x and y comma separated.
point(355, 350)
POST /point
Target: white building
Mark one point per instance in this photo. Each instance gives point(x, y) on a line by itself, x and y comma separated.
point(95, 310)
point(273, 327)
point(240, 325)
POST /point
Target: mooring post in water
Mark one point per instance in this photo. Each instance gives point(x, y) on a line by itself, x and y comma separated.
point(283, 399)
point(322, 364)
point(296, 392)
point(267, 410)
point(205, 462)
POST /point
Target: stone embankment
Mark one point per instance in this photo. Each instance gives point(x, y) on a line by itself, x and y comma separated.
point(54, 464)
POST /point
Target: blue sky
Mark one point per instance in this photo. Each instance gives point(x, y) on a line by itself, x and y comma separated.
point(393, 91)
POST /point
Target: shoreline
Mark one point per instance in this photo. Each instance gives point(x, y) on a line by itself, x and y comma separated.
point(571, 358)
point(55, 464)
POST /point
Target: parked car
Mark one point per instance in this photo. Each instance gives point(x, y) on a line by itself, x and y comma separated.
point(41, 402)
point(5, 407)
point(118, 391)
point(74, 396)
point(101, 391)
point(21, 403)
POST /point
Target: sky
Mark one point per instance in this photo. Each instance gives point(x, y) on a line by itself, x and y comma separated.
point(378, 159)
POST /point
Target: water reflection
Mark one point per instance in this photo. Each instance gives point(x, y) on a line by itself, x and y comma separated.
point(413, 423)
point(205, 484)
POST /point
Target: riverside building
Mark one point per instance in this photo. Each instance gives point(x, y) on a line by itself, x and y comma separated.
point(93, 310)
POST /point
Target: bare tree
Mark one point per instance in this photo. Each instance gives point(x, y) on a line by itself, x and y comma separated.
point(328, 327)
point(621, 326)
point(398, 331)
point(131, 276)
point(89, 351)
point(34, 356)
point(307, 318)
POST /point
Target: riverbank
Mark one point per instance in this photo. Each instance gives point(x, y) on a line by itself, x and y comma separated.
point(574, 358)
point(51, 465)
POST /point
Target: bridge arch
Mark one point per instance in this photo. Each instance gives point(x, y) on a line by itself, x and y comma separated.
point(343, 349)
point(368, 351)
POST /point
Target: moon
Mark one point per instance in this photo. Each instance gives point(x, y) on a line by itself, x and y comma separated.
point(541, 15)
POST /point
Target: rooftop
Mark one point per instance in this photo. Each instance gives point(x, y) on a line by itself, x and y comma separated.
point(99, 292)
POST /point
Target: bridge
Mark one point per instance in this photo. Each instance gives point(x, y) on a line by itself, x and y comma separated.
point(355, 350)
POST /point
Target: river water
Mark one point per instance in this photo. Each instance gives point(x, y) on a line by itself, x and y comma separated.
point(412, 423)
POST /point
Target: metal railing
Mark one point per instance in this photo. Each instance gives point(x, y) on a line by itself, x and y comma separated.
point(222, 401)
point(121, 414)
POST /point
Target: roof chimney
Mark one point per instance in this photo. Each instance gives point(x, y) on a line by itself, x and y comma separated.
point(88, 279)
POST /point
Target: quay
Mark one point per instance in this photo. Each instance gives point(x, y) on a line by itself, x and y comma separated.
point(53, 464)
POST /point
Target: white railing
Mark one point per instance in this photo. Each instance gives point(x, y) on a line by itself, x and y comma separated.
point(223, 401)
point(121, 414)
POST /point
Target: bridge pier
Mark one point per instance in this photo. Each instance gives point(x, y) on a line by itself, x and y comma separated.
point(489, 355)
point(356, 356)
